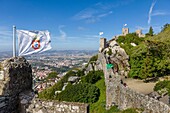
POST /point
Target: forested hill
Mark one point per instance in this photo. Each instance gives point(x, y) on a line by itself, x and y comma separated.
point(149, 56)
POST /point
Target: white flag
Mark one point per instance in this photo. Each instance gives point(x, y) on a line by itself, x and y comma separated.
point(125, 25)
point(100, 33)
point(33, 42)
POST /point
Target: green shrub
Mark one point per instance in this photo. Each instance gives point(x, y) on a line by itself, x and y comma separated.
point(130, 38)
point(80, 73)
point(52, 75)
point(130, 110)
point(49, 93)
point(109, 52)
point(83, 92)
point(94, 58)
point(92, 77)
point(161, 85)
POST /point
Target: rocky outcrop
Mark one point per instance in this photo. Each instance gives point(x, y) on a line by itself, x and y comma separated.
point(16, 79)
point(93, 66)
point(118, 58)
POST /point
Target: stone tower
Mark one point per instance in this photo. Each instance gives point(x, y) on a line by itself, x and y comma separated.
point(102, 44)
point(125, 31)
point(139, 33)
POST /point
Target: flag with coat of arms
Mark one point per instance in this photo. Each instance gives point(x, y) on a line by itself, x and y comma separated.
point(33, 42)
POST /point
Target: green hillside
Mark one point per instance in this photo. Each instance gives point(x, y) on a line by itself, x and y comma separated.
point(151, 57)
point(163, 36)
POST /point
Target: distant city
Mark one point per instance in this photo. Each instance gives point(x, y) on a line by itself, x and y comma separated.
point(59, 61)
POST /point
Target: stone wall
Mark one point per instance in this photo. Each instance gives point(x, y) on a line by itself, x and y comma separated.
point(9, 104)
point(16, 79)
point(111, 81)
point(124, 97)
point(127, 98)
point(51, 106)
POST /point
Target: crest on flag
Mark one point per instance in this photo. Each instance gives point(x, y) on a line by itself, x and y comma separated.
point(35, 43)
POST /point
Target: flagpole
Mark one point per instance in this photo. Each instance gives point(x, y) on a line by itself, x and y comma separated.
point(14, 41)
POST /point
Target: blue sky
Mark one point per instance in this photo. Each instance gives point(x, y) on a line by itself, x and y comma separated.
point(75, 24)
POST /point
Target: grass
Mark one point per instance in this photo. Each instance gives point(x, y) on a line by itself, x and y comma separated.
point(133, 110)
point(99, 106)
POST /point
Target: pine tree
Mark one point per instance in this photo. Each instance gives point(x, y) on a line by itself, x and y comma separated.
point(151, 31)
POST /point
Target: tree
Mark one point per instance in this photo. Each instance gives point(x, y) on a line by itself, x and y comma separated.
point(52, 75)
point(165, 26)
point(151, 31)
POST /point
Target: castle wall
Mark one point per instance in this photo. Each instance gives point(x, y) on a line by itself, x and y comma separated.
point(16, 79)
point(124, 97)
point(111, 81)
point(51, 106)
point(132, 99)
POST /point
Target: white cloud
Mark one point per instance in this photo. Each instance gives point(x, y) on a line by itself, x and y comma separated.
point(94, 13)
point(105, 14)
point(156, 12)
point(63, 34)
point(99, 10)
point(150, 11)
point(159, 13)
